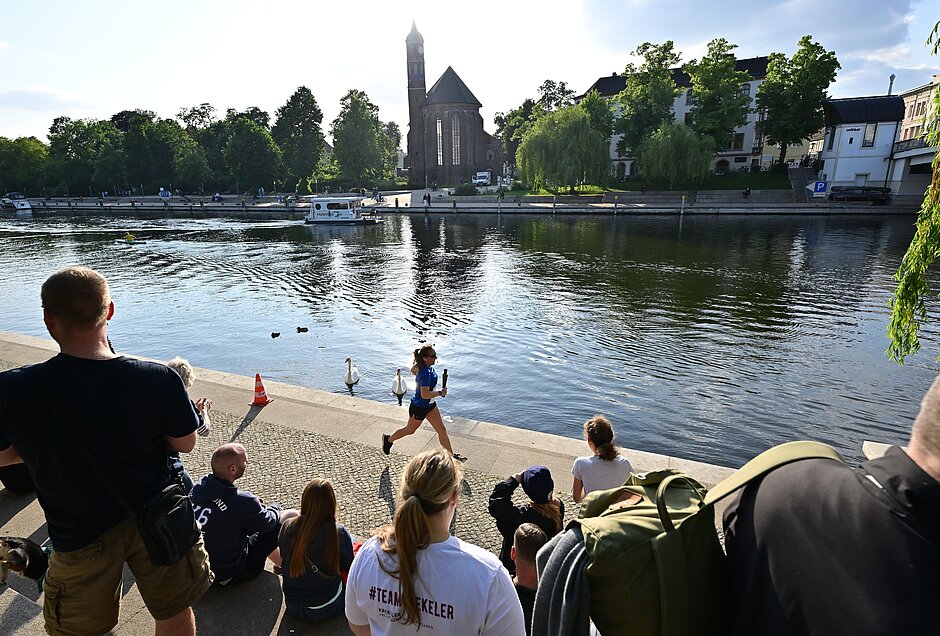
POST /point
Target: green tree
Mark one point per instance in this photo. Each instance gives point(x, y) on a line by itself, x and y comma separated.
point(74, 145)
point(251, 156)
point(675, 154)
point(110, 166)
point(599, 114)
point(718, 103)
point(197, 117)
point(356, 146)
point(511, 127)
point(562, 149)
point(554, 96)
point(908, 309)
point(191, 168)
point(123, 119)
point(253, 114)
point(648, 95)
point(22, 164)
point(390, 141)
point(297, 131)
point(793, 91)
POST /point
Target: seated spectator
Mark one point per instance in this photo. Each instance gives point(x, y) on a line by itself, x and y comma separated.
point(239, 531)
point(316, 553)
point(526, 543)
point(543, 508)
point(603, 470)
point(202, 406)
point(413, 577)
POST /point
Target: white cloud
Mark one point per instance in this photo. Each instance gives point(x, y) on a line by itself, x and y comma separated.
point(41, 98)
point(888, 55)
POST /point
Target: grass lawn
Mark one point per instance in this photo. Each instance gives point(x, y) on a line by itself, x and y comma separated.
point(734, 181)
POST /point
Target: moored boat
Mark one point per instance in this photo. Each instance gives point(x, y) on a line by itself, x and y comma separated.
point(16, 202)
point(340, 211)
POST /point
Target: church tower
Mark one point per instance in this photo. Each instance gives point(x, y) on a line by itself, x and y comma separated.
point(416, 99)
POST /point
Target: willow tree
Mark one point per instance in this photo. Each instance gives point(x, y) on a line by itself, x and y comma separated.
point(676, 154)
point(908, 311)
point(563, 150)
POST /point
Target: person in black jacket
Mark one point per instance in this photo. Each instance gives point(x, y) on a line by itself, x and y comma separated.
point(240, 532)
point(543, 508)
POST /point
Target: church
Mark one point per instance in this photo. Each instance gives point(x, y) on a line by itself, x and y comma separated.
point(446, 140)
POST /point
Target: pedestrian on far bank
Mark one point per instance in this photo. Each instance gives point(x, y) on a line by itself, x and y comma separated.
point(543, 508)
point(606, 468)
point(423, 405)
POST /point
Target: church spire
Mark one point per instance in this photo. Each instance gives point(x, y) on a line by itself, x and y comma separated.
point(414, 36)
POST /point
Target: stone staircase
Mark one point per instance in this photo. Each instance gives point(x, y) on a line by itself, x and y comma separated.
point(650, 199)
point(725, 198)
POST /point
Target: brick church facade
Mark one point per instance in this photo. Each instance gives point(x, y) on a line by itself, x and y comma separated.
point(446, 141)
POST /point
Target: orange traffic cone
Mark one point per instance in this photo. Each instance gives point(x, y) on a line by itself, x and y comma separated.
point(261, 398)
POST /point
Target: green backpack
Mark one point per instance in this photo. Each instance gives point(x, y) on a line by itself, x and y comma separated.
point(657, 567)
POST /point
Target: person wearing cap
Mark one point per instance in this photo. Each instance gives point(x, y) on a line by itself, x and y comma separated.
point(543, 508)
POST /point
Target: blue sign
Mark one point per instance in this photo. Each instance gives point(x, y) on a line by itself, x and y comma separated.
point(820, 187)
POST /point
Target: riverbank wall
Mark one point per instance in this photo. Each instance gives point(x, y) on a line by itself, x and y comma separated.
point(412, 202)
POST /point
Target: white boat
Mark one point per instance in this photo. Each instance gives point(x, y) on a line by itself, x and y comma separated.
point(340, 211)
point(16, 202)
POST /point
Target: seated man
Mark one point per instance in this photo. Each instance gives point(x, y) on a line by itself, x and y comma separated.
point(239, 531)
point(527, 541)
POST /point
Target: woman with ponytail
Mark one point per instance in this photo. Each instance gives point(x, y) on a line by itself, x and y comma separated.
point(422, 405)
point(413, 577)
point(543, 509)
point(315, 553)
point(603, 470)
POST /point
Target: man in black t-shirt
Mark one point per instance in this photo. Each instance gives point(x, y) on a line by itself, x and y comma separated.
point(816, 547)
point(128, 412)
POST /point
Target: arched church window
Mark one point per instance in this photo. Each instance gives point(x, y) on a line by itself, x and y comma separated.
point(455, 140)
point(440, 144)
point(490, 155)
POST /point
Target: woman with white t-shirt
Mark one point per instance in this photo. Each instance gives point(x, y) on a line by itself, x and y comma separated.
point(414, 577)
point(603, 470)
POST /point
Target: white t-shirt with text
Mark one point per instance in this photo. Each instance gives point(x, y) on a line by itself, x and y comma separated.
point(462, 589)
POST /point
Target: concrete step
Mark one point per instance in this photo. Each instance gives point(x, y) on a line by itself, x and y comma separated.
point(18, 614)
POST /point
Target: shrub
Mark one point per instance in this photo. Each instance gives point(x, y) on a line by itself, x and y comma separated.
point(465, 190)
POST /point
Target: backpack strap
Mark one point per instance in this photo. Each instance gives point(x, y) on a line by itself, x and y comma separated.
point(767, 461)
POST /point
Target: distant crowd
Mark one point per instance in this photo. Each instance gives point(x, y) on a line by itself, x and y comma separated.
point(813, 547)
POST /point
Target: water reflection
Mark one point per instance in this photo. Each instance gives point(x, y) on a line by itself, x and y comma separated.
point(705, 337)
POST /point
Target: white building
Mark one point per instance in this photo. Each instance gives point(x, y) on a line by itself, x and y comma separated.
point(860, 136)
point(911, 157)
point(745, 147)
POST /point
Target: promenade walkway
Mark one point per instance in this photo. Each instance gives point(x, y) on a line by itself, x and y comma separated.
point(306, 433)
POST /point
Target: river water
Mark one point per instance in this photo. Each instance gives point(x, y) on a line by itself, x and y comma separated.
point(706, 337)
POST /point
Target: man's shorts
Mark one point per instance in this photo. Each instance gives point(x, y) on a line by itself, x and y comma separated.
point(420, 412)
point(83, 587)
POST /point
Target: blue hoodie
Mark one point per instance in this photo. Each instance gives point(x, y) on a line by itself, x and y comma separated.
point(228, 517)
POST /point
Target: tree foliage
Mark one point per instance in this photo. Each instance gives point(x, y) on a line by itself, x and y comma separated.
point(251, 156)
point(511, 127)
point(195, 117)
point(675, 154)
point(389, 141)
point(908, 308)
point(554, 96)
point(793, 91)
point(599, 114)
point(648, 96)
point(357, 147)
point(562, 149)
point(22, 164)
point(718, 103)
point(297, 131)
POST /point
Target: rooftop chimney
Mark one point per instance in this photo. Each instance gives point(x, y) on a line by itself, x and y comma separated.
point(891, 83)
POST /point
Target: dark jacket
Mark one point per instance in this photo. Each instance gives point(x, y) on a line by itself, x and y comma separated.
point(317, 585)
point(510, 516)
point(818, 548)
point(228, 517)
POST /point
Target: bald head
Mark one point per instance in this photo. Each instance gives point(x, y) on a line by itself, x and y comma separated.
point(229, 461)
point(924, 447)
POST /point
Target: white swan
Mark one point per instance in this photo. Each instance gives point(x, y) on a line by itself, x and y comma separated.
point(352, 374)
point(399, 387)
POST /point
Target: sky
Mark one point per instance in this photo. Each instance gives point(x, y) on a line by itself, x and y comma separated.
point(91, 59)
